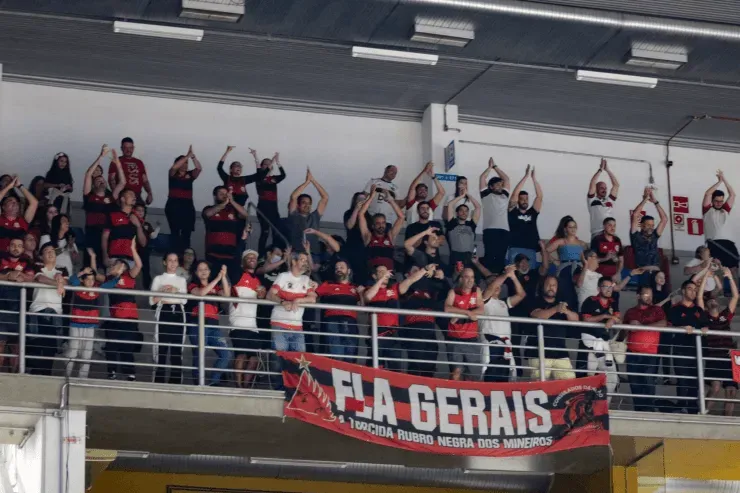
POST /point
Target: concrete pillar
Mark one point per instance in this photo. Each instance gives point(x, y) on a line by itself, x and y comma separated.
point(52, 458)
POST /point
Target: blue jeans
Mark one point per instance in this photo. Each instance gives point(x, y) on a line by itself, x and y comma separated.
point(214, 339)
point(642, 384)
point(339, 343)
point(285, 340)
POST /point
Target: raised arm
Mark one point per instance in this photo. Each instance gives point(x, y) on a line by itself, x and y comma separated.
point(451, 206)
point(361, 216)
point(702, 286)
point(220, 168)
point(121, 180)
point(661, 213)
point(518, 188)
point(280, 176)
point(293, 204)
point(87, 183)
point(483, 180)
point(538, 191)
point(733, 289)
point(372, 291)
point(198, 167)
point(637, 213)
point(324, 196)
point(439, 197)
point(615, 183)
point(502, 175)
point(32, 204)
point(326, 238)
point(183, 161)
point(707, 202)
point(730, 191)
point(400, 220)
point(138, 264)
point(477, 211)
point(426, 170)
point(414, 241)
point(240, 210)
point(481, 268)
point(595, 179)
point(405, 285)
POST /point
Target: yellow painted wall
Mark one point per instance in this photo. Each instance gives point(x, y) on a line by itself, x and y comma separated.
point(135, 482)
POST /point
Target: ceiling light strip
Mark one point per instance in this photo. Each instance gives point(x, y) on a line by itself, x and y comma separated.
point(617, 79)
point(158, 31)
point(394, 55)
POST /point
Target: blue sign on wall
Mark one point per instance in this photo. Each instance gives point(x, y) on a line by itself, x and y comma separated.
point(446, 177)
point(450, 156)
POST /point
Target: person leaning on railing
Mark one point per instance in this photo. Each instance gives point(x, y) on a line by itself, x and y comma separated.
point(557, 360)
point(465, 299)
point(14, 267)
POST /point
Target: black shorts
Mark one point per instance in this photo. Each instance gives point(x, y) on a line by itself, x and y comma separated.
point(249, 342)
point(714, 370)
point(725, 251)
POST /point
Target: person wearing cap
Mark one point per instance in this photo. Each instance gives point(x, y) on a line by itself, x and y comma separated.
point(525, 237)
point(495, 203)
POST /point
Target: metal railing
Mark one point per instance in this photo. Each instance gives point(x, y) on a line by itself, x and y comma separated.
point(367, 343)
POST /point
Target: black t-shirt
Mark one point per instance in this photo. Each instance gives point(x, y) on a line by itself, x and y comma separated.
point(555, 335)
point(681, 315)
point(523, 227)
point(529, 282)
point(354, 236)
point(420, 258)
point(414, 229)
point(594, 307)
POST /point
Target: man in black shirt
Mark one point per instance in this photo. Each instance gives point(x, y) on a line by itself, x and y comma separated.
point(557, 360)
point(686, 314)
point(427, 253)
point(525, 237)
point(598, 309)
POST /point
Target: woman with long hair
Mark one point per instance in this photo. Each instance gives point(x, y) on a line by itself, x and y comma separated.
point(170, 336)
point(569, 250)
point(203, 285)
point(61, 238)
point(59, 183)
point(354, 250)
point(179, 209)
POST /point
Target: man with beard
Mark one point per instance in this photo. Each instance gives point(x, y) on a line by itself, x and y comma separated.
point(687, 315)
point(14, 267)
point(301, 217)
point(122, 226)
point(494, 195)
point(98, 201)
point(609, 250)
point(428, 252)
point(717, 231)
point(600, 205)
point(418, 194)
point(427, 283)
point(424, 214)
point(249, 341)
point(14, 223)
point(224, 223)
point(465, 299)
point(461, 229)
point(134, 171)
point(597, 309)
point(642, 346)
point(525, 237)
point(557, 360)
point(379, 241)
point(341, 325)
point(719, 346)
point(644, 235)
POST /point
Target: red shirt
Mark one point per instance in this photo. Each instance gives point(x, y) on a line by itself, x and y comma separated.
point(124, 305)
point(644, 341)
point(11, 229)
point(134, 170)
point(386, 298)
point(20, 264)
point(210, 310)
point(335, 293)
point(464, 329)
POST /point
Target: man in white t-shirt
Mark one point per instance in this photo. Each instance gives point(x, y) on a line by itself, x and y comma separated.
point(47, 301)
point(419, 193)
point(291, 290)
point(498, 333)
point(387, 191)
point(600, 204)
point(494, 195)
point(717, 230)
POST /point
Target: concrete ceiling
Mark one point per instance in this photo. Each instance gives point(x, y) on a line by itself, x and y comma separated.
point(517, 68)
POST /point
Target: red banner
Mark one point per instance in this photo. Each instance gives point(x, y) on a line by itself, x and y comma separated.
point(445, 416)
point(735, 361)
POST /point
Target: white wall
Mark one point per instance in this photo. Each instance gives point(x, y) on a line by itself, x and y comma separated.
point(565, 177)
point(343, 152)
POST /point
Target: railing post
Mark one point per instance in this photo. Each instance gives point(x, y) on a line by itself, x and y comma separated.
point(22, 333)
point(201, 343)
point(700, 375)
point(374, 334)
point(541, 350)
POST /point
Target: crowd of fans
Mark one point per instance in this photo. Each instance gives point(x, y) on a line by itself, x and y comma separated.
point(566, 278)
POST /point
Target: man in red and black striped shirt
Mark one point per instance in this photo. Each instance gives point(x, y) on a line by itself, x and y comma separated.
point(14, 267)
point(13, 221)
point(341, 324)
point(98, 201)
point(121, 228)
point(224, 223)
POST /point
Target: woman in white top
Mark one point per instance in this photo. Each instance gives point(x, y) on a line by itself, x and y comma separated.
point(498, 333)
point(171, 313)
point(46, 301)
point(62, 239)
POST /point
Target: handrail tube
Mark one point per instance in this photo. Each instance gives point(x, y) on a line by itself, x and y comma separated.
point(678, 398)
point(201, 343)
point(148, 365)
point(366, 309)
point(541, 351)
point(375, 340)
point(700, 376)
point(22, 332)
point(183, 390)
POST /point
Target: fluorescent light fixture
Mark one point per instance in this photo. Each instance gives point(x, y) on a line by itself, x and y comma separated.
point(618, 79)
point(208, 10)
point(269, 461)
point(671, 58)
point(132, 454)
point(158, 31)
point(394, 56)
point(448, 36)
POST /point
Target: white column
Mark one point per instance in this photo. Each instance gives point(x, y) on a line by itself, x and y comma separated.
point(435, 139)
point(52, 460)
